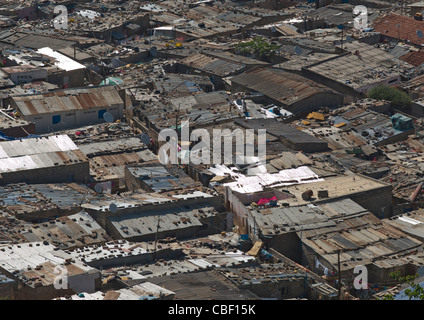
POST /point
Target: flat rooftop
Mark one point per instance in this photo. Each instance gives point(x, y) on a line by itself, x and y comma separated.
point(278, 220)
point(76, 230)
point(340, 186)
point(170, 219)
point(371, 66)
point(35, 262)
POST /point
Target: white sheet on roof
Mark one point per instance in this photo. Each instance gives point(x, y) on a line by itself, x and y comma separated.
point(62, 61)
point(17, 163)
point(409, 220)
point(202, 263)
point(17, 148)
point(257, 183)
point(239, 256)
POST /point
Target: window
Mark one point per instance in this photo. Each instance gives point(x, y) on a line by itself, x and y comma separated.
point(284, 291)
point(101, 113)
point(56, 119)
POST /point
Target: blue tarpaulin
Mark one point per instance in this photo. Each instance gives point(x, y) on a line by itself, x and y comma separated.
point(7, 138)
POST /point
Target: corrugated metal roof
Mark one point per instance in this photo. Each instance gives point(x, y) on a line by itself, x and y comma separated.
point(212, 64)
point(376, 241)
point(174, 218)
point(106, 147)
point(35, 41)
point(33, 153)
point(68, 100)
point(407, 27)
point(76, 230)
point(19, 257)
point(279, 85)
point(371, 66)
point(312, 220)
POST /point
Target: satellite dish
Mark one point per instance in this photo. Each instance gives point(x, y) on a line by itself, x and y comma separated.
point(298, 50)
point(108, 117)
point(349, 39)
point(420, 34)
point(98, 188)
point(113, 208)
point(145, 138)
point(153, 51)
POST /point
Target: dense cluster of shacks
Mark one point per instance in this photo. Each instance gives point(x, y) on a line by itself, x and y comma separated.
point(88, 210)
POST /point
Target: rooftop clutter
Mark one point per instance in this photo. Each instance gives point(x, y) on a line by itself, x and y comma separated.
point(83, 105)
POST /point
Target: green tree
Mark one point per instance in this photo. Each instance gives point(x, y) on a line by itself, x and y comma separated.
point(257, 47)
point(397, 98)
point(414, 291)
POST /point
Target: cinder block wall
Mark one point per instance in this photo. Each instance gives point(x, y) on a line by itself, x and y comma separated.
point(292, 288)
point(77, 172)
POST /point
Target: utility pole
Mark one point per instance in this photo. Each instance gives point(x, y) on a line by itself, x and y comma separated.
point(156, 237)
point(176, 118)
point(340, 275)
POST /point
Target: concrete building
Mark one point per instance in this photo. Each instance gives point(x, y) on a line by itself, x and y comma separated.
point(65, 71)
point(357, 70)
point(33, 266)
point(158, 178)
point(47, 64)
point(25, 74)
point(69, 108)
point(184, 215)
point(372, 194)
point(42, 160)
point(7, 288)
